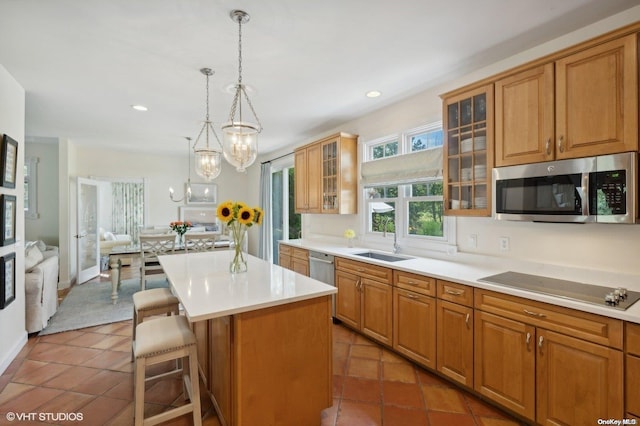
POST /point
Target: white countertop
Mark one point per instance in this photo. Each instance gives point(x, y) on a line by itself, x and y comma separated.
point(205, 287)
point(468, 269)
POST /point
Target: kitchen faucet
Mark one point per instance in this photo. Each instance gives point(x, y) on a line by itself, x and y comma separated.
point(396, 247)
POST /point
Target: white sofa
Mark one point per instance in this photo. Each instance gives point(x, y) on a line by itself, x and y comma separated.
point(41, 284)
point(109, 240)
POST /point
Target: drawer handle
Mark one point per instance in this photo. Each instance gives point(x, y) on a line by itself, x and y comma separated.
point(454, 292)
point(412, 283)
point(540, 342)
point(360, 270)
point(534, 314)
point(412, 296)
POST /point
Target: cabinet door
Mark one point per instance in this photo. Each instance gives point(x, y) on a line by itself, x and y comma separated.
point(525, 117)
point(504, 365)
point(468, 152)
point(633, 385)
point(377, 304)
point(314, 179)
point(348, 298)
point(300, 266)
point(455, 342)
point(577, 381)
point(300, 184)
point(284, 260)
point(414, 326)
point(597, 100)
point(201, 331)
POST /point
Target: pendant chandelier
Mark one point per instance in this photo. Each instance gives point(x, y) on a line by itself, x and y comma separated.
point(208, 161)
point(240, 138)
point(187, 192)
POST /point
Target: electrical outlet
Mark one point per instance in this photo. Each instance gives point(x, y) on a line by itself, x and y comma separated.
point(473, 240)
point(504, 243)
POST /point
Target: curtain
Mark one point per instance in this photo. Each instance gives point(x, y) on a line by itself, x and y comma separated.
point(127, 208)
point(266, 234)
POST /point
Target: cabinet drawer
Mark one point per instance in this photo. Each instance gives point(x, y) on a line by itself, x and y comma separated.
point(299, 253)
point(456, 293)
point(591, 327)
point(285, 249)
point(633, 339)
point(414, 282)
point(365, 269)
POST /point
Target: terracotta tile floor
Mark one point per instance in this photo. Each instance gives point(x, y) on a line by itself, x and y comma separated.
point(89, 371)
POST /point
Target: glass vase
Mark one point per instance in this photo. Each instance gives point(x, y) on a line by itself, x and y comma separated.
point(239, 262)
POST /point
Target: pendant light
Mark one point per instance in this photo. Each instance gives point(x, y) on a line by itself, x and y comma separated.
point(239, 137)
point(187, 193)
point(208, 161)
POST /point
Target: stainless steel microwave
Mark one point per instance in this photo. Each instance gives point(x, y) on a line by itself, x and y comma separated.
point(594, 189)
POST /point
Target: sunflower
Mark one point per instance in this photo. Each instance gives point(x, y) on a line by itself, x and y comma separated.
point(225, 211)
point(245, 216)
point(259, 214)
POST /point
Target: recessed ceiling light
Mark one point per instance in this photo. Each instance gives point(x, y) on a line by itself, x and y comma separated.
point(373, 94)
point(139, 107)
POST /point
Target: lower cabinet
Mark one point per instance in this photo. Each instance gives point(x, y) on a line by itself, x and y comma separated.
point(455, 342)
point(632, 372)
point(294, 258)
point(364, 300)
point(414, 326)
point(541, 374)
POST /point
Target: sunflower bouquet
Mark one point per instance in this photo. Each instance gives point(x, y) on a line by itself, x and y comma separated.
point(239, 217)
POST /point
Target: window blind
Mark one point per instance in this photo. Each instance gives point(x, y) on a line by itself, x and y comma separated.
point(405, 168)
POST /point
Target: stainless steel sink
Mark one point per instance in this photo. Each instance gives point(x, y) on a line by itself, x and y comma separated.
point(382, 256)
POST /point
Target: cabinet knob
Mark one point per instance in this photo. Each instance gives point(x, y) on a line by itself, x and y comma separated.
point(561, 144)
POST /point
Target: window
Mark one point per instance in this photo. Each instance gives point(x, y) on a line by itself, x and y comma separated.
point(287, 224)
point(404, 195)
point(31, 188)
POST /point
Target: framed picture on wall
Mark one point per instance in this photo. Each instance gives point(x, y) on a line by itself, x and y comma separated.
point(8, 212)
point(203, 193)
point(201, 217)
point(9, 161)
point(7, 279)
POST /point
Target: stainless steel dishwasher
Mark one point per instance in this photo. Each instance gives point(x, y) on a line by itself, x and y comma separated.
point(321, 268)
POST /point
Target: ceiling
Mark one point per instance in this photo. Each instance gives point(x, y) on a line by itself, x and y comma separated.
point(83, 63)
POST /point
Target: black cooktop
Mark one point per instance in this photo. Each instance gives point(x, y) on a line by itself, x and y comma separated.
point(572, 290)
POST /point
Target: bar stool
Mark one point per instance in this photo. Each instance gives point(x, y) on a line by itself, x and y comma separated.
point(161, 340)
point(155, 301)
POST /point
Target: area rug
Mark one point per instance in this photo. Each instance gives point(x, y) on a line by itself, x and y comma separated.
point(90, 304)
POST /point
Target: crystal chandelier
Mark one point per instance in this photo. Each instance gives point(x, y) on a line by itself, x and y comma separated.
point(239, 137)
point(208, 161)
point(187, 193)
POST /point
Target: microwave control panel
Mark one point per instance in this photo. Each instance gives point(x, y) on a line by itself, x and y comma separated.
point(608, 192)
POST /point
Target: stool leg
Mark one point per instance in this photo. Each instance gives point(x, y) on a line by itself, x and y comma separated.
point(195, 385)
point(139, 372)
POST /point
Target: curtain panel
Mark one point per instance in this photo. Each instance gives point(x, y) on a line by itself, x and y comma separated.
point(127, 208)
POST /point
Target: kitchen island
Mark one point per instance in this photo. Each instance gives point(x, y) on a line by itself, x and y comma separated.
point(264, 337)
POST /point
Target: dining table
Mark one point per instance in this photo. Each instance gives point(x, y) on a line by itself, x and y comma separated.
point(264, 337)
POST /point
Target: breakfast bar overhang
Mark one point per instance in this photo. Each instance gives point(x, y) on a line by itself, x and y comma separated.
point(264, 337)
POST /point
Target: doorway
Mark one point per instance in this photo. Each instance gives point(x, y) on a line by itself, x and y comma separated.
point(287, 224)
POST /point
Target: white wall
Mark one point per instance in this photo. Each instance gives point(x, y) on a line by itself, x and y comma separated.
point(605, 247)
point(45, 227)
point(13, 334)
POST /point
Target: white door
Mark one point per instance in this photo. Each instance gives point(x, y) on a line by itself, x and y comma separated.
point(87, 230)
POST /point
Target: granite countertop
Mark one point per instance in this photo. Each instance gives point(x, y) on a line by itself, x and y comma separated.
point(468, 269)
point(205, 287)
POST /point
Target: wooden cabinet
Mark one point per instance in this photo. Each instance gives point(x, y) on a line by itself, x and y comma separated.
point(307, 175)
point(566, 363)
point(455, 332)
point(468, 151)
point(583, 104)
point(326, 176)
point(364, 300)
point(294, 258)
point(632, 373)
point(414, 317)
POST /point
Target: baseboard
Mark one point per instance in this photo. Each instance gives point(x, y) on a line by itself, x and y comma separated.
point(13, 352)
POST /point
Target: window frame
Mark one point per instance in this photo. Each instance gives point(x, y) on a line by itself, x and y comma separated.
point(31, 187)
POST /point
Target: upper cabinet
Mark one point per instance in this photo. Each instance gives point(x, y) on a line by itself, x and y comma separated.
point(468, 151)
point(326, 176)
point(582, 104)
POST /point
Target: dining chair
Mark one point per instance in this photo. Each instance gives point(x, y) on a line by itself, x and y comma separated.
point(199, 241)
point(152, 246)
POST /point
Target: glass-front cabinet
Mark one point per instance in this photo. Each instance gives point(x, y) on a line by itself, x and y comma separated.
point(468, 151)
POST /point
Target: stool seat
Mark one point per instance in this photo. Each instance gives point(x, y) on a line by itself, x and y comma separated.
point(165, 334)
point(153, 298)
point(160, 340)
